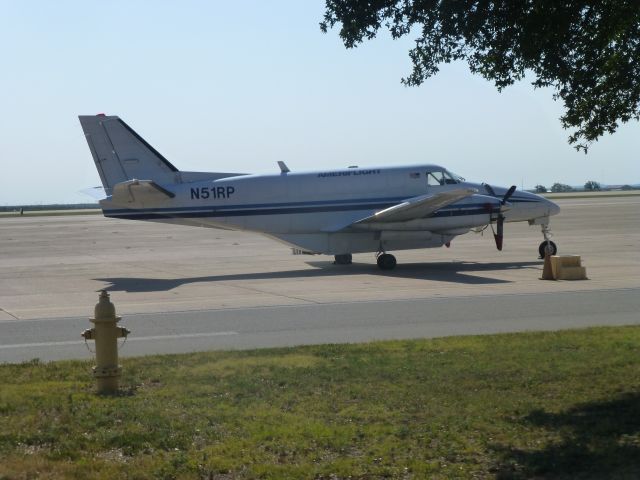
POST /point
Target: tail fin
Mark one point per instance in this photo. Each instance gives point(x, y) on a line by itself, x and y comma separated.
point(120, 154)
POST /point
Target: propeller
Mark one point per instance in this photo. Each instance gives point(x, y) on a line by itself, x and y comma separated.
point(489, 189)
point(507, 195)
point(499, 234)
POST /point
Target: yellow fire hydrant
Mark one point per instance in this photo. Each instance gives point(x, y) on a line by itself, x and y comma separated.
point(106, 333)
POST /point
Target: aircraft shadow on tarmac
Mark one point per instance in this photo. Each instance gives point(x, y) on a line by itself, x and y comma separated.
point(454, 272)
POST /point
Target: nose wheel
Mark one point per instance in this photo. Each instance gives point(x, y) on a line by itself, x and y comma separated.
point(547, 246)
point(386, 261)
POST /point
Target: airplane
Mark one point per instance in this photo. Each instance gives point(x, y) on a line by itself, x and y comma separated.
point(335, 212)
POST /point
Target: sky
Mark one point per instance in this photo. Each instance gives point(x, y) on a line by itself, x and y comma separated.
point(237, 86)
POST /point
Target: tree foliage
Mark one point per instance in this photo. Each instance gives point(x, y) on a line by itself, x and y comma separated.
point(592, 186)
point(561, 187)
point(588, 52)
point(540, 189)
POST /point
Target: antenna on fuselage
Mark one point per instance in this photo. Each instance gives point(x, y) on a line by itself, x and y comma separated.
point(283, 167)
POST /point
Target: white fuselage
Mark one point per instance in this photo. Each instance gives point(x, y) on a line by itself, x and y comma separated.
point(314, 210)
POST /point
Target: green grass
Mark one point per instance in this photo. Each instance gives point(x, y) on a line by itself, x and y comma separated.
point(542, 405)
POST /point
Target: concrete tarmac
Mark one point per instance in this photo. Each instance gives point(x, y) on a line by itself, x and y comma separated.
point(186, 288)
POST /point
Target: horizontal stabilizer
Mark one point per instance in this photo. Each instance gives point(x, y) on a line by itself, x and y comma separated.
point(97, 193)
point(139, 193)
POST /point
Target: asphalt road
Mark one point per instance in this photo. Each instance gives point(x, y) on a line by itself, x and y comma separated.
point(184, 289)
point(180, 332)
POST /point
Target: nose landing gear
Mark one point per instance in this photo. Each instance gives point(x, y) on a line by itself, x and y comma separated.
point(547, 247)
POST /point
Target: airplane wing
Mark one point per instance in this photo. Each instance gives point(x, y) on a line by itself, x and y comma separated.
point(416, 207)
point(133, 193)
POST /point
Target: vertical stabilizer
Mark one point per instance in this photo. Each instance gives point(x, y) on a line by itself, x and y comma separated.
point(120, 154)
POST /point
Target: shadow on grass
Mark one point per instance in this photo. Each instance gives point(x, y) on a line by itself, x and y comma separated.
point(455, 272)
point(596, 440)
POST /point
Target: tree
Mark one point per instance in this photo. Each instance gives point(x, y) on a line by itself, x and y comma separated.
point(592, 186)
point(541, 189)
point(587, 51)
point(560, 187)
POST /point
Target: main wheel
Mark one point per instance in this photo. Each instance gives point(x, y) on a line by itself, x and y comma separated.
point(344, 259)
point(552, 249)
point(386, 261)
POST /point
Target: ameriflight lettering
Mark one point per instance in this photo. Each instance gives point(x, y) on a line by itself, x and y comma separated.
point(348, 173)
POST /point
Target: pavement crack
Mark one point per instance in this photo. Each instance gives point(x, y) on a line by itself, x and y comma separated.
point(257, 290)
point(9, 313)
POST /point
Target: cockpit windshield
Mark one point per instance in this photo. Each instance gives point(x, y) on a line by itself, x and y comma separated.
point(457, 177)
point(442, 177)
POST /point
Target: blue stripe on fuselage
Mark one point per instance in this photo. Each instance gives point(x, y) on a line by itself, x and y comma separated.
point(292, 208)
point(362, 203)
point(142, 215)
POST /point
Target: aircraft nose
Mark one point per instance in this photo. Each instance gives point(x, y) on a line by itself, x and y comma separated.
point(554, 209)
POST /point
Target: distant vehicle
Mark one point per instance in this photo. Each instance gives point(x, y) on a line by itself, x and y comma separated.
point(332, 212)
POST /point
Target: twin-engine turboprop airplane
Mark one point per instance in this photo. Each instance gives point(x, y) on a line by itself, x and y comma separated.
point(333, 212)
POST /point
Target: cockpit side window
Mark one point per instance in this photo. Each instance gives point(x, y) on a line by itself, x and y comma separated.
point(435, 178)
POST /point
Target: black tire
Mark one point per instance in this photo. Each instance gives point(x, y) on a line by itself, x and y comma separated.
point(344, 259)
point(553, 249)
point(386, 261)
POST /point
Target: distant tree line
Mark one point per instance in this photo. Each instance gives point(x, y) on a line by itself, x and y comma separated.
point(590, 186)
point(53, 206)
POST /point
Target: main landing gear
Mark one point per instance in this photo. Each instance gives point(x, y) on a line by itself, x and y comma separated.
point(386, 261)
point(547, 246)
point(344, 259)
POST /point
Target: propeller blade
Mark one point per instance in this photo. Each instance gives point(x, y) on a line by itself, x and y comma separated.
point(498, 236)
point(489, 189)
point(508, 194)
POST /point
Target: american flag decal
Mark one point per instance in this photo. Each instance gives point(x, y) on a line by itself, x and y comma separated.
point(415, 175)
